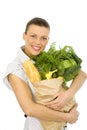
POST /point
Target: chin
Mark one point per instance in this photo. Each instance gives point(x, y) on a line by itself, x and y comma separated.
point(37, 53)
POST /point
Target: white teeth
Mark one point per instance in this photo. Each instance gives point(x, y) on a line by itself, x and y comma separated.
point(36, 48)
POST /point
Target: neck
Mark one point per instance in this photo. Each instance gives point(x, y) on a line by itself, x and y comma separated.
point(27, 53)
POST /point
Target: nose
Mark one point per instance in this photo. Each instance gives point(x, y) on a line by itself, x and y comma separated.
point(37, 41)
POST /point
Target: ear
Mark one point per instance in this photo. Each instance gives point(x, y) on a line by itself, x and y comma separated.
point(24, 36)
point(47, 40)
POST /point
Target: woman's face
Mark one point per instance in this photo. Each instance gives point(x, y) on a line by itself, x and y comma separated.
point(36, 39)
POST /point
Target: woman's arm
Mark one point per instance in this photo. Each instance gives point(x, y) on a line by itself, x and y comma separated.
point(25, 99)
point(64, 97)
point(77, 83)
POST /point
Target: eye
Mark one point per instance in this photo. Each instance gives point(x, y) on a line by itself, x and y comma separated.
point(44, 38)
point(33, 36)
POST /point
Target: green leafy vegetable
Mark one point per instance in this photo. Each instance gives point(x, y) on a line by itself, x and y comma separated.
point(65, 61)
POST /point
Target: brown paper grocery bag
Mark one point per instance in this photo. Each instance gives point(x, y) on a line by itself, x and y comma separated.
point(44, 92)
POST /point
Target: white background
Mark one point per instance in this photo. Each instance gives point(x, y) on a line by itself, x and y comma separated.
point(68, 21)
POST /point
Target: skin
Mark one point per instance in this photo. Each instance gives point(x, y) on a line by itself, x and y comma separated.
point(36, 40)
point(62, 98)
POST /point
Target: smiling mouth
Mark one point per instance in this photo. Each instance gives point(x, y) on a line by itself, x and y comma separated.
point(36, 48)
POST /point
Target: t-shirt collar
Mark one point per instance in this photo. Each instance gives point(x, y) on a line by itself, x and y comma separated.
point(22, 56)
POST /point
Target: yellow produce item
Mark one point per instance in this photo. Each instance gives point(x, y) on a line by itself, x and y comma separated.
point(31, 71)
point(49, 74)
point(60, 78)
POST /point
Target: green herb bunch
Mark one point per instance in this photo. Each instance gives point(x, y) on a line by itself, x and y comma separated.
point(63, 62)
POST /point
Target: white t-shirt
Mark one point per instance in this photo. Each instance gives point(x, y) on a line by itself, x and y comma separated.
point(16, 68)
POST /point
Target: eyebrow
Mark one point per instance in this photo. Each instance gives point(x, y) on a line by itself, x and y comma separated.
point(36, 34)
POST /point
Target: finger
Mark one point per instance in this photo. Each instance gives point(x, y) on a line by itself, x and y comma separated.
point(55, 106)
point(76, 105)
point(56, 95)
point(53, 101)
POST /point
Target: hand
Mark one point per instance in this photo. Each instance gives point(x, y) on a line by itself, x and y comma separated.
point(59, 100)
point(73, 115)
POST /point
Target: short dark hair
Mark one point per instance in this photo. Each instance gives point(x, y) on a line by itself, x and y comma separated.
point(37, 21)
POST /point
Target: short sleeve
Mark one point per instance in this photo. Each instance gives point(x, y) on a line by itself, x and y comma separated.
point(16, 69)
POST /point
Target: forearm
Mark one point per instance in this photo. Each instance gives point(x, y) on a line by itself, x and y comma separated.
point(30, 108)
point(44, 113)
point(77, 82)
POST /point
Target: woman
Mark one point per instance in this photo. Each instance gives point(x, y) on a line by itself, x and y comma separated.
point(36, 37)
